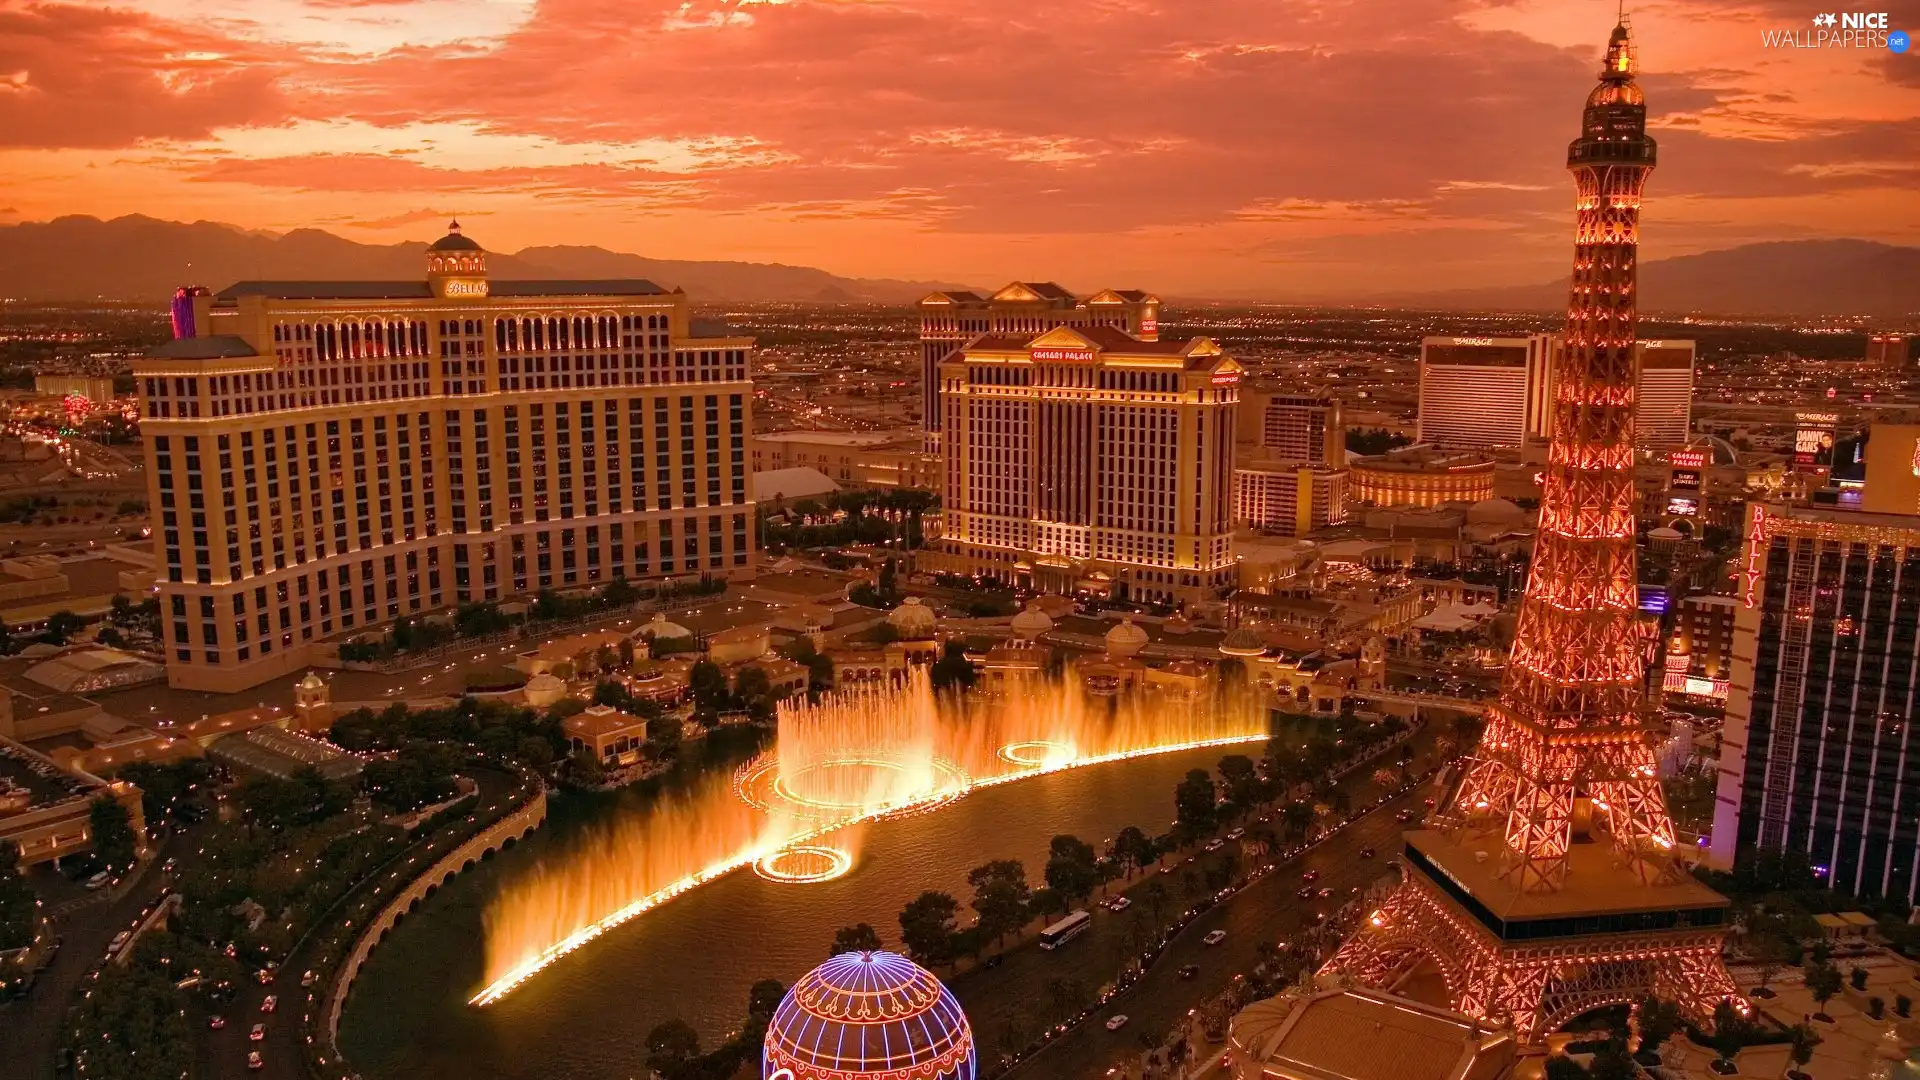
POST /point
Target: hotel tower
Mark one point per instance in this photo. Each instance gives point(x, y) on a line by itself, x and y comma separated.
point(1548, 885)
point(1087, 460)
point(325, 457)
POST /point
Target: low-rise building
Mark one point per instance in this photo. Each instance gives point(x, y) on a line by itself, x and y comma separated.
point(1421, 476)
point(46, 808)
point(881, 459)
point(614, 738)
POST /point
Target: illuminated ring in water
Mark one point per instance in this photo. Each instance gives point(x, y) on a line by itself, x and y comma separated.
point(785, 865)
point(760, 785)
point(1035, 753)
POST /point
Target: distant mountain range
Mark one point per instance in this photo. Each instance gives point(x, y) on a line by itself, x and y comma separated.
point(143, 258)
point(1785, 277)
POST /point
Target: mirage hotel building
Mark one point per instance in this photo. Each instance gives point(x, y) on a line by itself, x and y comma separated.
point(327, 457)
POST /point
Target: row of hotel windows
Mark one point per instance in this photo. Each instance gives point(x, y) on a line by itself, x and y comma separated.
point(253, 392)
point(935, 325)
point(387, 337)
point(230, 493)
point(308, 604)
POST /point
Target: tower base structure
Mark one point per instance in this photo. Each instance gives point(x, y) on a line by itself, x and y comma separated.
point(1538, 960)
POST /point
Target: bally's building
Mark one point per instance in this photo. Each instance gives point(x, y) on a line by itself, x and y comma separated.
point(325, 457)
point(1089, 460)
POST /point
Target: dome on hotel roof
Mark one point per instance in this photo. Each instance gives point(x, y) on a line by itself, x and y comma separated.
point(913, 619)
point(1244, 641)
point(869, 1015)
point(1126, 639)
point(1031, 622)
point(453, 241)
point(660, 628)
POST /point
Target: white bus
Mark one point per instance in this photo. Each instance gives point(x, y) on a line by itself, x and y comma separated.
point(1065, 930)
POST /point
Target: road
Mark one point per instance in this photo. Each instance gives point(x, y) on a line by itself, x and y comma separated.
point(1268, 910)
point(31, 1027)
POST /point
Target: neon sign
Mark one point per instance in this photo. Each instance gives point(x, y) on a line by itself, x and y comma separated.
point(1687, 459)
point(1756, 536)
point(459, 287)
point(1226, 378)
point(1062, 354)
point(1473, 341)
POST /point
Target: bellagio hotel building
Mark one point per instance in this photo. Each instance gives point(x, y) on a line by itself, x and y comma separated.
point(1087, 460)
point(328, 456)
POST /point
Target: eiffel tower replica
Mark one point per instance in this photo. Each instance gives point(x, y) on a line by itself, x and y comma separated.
point(1548, 885)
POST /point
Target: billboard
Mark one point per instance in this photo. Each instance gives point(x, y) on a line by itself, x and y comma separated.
point(1813, 441)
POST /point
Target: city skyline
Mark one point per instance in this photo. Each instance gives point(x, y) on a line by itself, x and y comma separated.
point(1230, 151)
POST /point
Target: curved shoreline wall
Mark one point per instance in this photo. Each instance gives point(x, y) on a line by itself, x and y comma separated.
point(501, 834)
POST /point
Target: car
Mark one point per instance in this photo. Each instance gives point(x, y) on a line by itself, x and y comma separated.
point(309, 978)
point(1215, 937)
point(268, 1005)
point(1403, 816)
point(258, 1033)
point(1310, 876)
point(1429, 803)
point(1366, 853)
point(255, 1061)
point(1305, 893)
point(264, 976)
point(1216, 845)
point(1190, 972)
point(1116, 1022)
point(1236, 834)
point(97, 881)
point(993, 961)
point(1324, 893)
point(216, 1022)
point(1120, 903)
point(120, 940)
point(167, 867)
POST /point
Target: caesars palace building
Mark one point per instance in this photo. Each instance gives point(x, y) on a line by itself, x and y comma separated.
point(325, 457)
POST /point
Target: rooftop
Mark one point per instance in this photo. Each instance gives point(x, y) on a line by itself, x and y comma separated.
point(1595, 884)
point(1344, 1034)
point(601, 721)
point(281, 753)
point(421, 290)
point(211, 347)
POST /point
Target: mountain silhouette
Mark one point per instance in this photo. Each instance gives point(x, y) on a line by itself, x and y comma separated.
point(1782, 277)
point(142, 258)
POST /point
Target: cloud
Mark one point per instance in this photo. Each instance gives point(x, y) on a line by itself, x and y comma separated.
point(395, 221)
point(845, 131)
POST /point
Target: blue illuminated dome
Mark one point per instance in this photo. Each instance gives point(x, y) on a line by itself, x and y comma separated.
point(869, 1014)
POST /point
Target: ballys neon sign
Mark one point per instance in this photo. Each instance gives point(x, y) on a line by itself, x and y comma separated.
point(1756, 539)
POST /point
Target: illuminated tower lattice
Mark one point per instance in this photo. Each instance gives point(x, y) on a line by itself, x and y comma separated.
point(1549, 886)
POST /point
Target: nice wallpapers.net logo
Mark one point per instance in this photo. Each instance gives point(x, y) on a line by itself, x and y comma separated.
point(1840, 30)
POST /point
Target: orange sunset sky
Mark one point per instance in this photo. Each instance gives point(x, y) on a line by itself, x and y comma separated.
point(1227, 147)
